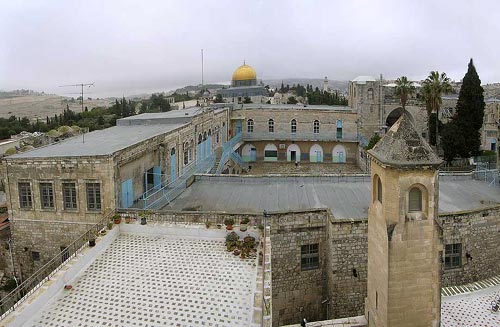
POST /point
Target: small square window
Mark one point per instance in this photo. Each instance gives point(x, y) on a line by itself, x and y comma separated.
point(309, 256)
point(35, 255)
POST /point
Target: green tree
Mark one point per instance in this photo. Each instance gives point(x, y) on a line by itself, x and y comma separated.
point(434, 86)
point(292, 100)
point(218, 98)
point(374, 140)
point(470, 112)
point(404, 88)
point(247, 100)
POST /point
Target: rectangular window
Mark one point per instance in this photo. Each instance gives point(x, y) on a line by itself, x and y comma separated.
point(25, 200)
point(47, 195)
point(93, 196)
point(453, 256)
point(309, 256)
point(339, 132)
point(35, 255)
point(69, 196)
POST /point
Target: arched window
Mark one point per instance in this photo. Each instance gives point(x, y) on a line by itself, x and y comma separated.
point(293, 126)
point(172, 152)
point(379, 189)
point(316, 127)
point(271, 125)
point(415, 200)
point(210, 132)
point(250, 126)
point(200, 138)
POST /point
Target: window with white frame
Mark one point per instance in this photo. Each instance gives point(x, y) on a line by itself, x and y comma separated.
point(271, 125)
point(250, 126)
point(293, 126)
point(316, 127)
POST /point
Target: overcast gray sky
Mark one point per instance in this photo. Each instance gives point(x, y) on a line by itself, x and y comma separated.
point(128, 47)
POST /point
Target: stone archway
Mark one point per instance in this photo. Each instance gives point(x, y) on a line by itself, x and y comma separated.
point(393, 117)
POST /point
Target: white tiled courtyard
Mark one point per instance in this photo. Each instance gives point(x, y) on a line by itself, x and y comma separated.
point(470, 309)
point(149, 281)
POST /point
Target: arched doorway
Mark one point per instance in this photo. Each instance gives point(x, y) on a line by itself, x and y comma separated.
point(393, 117)
point(270, 152)
point(339, 154)
point(293, 153)
point(316, 153)
point(249, 153)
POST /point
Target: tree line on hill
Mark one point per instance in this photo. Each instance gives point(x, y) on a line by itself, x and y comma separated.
point(93, 119)
point(314, 95)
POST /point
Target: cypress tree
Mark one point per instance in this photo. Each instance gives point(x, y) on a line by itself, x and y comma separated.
point(470, 111)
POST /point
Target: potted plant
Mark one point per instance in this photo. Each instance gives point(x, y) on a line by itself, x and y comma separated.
point(144, 216)
point(110, 225)
point(208, 224)
point(128, 219)
point(229, 222)
point(117, 219)
point(244, 224)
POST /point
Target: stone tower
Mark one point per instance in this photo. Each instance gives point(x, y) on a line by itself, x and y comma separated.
point(404, 245)
point(325, 84)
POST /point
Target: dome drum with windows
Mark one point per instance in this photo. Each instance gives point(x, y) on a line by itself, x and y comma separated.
point(244, 75)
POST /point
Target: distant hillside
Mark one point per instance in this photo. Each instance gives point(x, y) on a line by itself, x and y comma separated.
point(42, 105)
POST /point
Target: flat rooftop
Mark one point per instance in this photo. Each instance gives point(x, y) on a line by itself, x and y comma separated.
point(98, 143)
point(150, 279)
point(346, 196)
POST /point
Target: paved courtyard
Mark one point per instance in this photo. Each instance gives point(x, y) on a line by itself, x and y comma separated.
point(471, 309)
point(150, 281)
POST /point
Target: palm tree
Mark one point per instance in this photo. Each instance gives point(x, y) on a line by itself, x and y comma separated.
point(433, 87)
point(404, 88)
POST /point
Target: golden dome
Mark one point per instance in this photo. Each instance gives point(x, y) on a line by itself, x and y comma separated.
point(244, 73)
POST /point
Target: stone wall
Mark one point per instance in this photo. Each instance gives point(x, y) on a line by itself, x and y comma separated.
point(298, 294)
point(479, 233)
point(347, 270)
point(45, 237)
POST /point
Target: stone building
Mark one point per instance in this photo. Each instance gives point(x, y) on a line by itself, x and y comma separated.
point(243, 84)
point(404, 245)
point(293, 133)
point(378, 108)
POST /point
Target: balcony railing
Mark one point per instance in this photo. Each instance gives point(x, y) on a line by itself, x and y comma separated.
point(16, 297)
point(301, 136)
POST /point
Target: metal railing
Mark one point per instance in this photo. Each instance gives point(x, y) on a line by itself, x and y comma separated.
point(301, 136)
point(170, 191)
point(16, 297)
point(227, 150)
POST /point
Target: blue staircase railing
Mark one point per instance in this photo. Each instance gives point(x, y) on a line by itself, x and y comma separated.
point(227, 152)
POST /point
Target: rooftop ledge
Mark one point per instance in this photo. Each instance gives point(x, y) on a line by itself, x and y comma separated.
point(149, 275)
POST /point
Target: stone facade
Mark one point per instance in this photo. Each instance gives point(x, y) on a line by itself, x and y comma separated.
point(298, 293)
point(478, 233)
point(347, 269)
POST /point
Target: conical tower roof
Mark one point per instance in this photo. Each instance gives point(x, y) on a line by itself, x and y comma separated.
point(403, 147)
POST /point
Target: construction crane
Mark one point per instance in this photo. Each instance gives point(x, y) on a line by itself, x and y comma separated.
point(81, 85)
